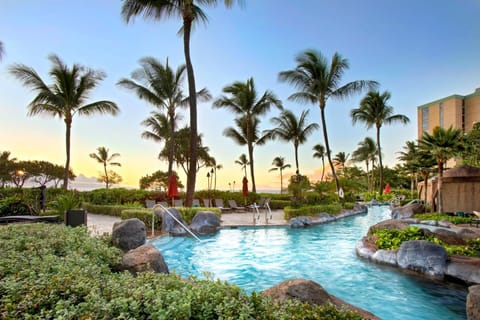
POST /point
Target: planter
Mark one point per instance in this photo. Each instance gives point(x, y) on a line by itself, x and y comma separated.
point(75, 218)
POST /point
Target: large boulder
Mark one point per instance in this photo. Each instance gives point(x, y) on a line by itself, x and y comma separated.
point(205, 222)
point(144, 258)
point(388, 224)
point(473, 303)
point(448, 237)
point(170, 225)
point(129, 234)
point(310, 292)
point(422, 256)
point(469, 233)
point(464, 268)
point(300, 222)
point(407, 211)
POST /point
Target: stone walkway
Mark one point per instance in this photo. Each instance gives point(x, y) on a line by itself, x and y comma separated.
point(99, 224)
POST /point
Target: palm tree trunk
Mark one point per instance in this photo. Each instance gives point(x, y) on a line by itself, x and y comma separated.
point(68, 124)
point(411, 184)
point(439, 187)
point(171, 152)
point(252, 174)
point(327, 145)
point(425, 181)
point(368, 176)
point(192, 172)
point(295, 145)
point(215, 182)
point(106, 174)
point(281, 181)
point(380, 162)
point(323, 168)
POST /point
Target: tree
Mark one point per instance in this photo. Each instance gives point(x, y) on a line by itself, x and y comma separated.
point(279, 163)
point(243, 162)
point(471, 155)
point(319, 152)
point(340, 160)
point(44, 172)
point(161, 86)
point(443, 144)
point(6, 167)
point(65, 97)
point(102, 156)
point(158, 181)
point(215, 167)
point(190, 12)
point(366, 152)
point(374, 111)
point(290, 129)
point(242, 99)
point(410, 159)
point(317, 81)
point(425, 162)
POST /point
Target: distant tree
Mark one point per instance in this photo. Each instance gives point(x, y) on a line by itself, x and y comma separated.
point(102, 156)
point(425, 162)
point(319, 152)
point(20, 173)
point(340, 160)
point(158, 181)
point(243, 162)
point(318, 80)
point(290, 129)
point(215, 168)
point(65, 97)
point(280, 165)
point(366, 152)
point(374, 111)
point(410, 158)
point(44, 172)
point(471, 154)
point(6, 167)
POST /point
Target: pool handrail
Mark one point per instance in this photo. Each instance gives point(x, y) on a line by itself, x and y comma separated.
point(174, 218)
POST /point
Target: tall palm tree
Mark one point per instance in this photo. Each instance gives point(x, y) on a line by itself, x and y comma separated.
point(102, 156)
point(367, 152)
point(340, 160)
point(425, 162)
point(65, 97)
point(243, 162)
point(216, 167)
point(243, 100)
point(375, 111)
point(190, 12)
point(159, 128)
point(279, 163)
point(443, 144)
point(289, 128)
point(161, 86)
point(410, 158)
point(319, 152)
point(318, 80)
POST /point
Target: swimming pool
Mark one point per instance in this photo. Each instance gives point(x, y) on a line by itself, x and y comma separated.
point(259, 258)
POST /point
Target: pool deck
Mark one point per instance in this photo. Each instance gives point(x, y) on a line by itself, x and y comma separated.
point(99, 224)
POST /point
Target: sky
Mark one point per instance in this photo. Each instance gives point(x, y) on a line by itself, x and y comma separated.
point(419, 51)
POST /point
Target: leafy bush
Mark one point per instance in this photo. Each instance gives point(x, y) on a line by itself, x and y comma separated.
point(332, 209)
point(109, 210)
point(12, 206)
point(56, 272)
point(144, 215)
point(67, 201)
point(390, 239)
point(441, 216)
point(279, 204)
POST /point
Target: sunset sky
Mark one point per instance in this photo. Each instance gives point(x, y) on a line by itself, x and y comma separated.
point(420, 51)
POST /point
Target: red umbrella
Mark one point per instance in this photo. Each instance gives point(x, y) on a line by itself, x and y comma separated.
point(172, 191)
point(245, 188)
point(387, 188)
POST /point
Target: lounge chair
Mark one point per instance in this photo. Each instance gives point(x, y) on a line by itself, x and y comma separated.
point(219, 205)
point(196, 203)
point(178, 203)
point(234, 207)
point(475, 221)
point(207, 203)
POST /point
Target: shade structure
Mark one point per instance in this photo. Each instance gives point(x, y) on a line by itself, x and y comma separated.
point(245, 187)
point(387, 189)
point(172, 191)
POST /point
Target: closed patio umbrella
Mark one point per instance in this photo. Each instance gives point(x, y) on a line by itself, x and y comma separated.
point(172, 191)
point(387, 188)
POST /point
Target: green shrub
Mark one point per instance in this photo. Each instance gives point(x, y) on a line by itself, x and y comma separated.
point(143, 214)
point(279, 204)
point(109, 210)
point(189, 213)
point(292, 212)
point(390, 239)
point(13, 206)
point(68, 201)
point(57, 272)
point(441, 216)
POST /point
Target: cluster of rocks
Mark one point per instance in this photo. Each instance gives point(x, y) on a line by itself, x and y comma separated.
point(323, 217)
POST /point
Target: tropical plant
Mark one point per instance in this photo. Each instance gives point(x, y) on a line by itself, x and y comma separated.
point(66, 202)
point(161, 86)
point(374, 111)
point(367, 152)
point(190, 12)
point(157, 181)
point(243, 100)
point(243, 162)
point(319, 152)
point(280, 165)
point(340, 160)
point(102, 156)
point(65, 97)
point(471, 155)
point(215, 168)
point(317, 81)
point(290, 129)
point(410, 158)
point(443, 144)
point(5, 167)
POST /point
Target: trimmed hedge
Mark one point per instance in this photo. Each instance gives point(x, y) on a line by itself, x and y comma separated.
point(441, 216)
point(109, 210)
point(332, 209)
point(58, 272)
point(146, 214)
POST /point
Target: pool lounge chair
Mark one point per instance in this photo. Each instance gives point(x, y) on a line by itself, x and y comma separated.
point(219, 205)
point(234, 207)
point(207, 203)
point(195, 203)
point(178, 203)
point(475, 221)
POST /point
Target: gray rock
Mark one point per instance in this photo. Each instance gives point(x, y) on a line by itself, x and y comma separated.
point(448, 237)
point(170, 225)
point(407, 211)
point(469, 233)
point(300, 222)
point(144, 258)
point(363, 250)
point(388, 224)
point(205, 222)
point(129, 234)
point(473, 303)
point(422, 256)
point(429, 222)
point(388, 257)
point(464, 268)
point(445, 224)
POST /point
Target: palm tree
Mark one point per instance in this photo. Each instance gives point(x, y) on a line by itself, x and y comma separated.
point(340, 160)
point(104, 158)
point(279, 163)
point(161, 86)
point(317, 81)
point(319, 152)
point(367, 152)
point(410, 158)
point(374, 111)
point(65, 97)
point(243, 100)
point(190, 12)
point(425, 162)
point(243, 162)
point(289, 128)
point(216, 167)
point(443, 144)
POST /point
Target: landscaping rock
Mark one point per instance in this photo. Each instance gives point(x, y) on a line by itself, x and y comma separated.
point(129, 234)
point(469, 233)
point(473, 303)
point(300, 222)
point(422, 256)
point(205, 222)
point(388, 224)
point(310, 292)
point(464, 268)
point(388, 257)
point(144, 258)
point(407, 211)
point(448, 237)
point(365, 248)
point(170, 225)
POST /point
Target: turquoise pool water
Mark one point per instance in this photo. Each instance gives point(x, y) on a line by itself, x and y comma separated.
point(258, 258)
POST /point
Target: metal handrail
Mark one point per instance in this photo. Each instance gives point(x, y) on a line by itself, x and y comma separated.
point(174, 218)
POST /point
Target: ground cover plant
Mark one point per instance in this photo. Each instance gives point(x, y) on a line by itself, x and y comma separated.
point(58, 272)
point(443, 217)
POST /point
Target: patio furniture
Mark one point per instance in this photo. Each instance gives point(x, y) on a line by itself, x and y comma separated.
point(475, 221)
point(207, 203)
point(233, 205)
point(195, 203)
point(178, 203)
point(219, 205)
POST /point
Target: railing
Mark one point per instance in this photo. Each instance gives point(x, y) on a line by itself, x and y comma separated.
point(256, 213)
point(174, 218)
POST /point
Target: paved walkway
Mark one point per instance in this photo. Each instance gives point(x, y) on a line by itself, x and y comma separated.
point(99, 224)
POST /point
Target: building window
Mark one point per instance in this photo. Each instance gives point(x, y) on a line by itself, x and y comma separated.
point(440, 112)
point(425, 119)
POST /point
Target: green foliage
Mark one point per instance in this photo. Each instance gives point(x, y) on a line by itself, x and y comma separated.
point(189, 213)
point(471, 249)
point(144, 215)
point(390, 239)
point(56, 272)
point(332, 209)
point(279, 204)
point(13, 206)
point(441, 216)
point(117, 196)
point(298, 184)
point(109, 210)
point(68, 201)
